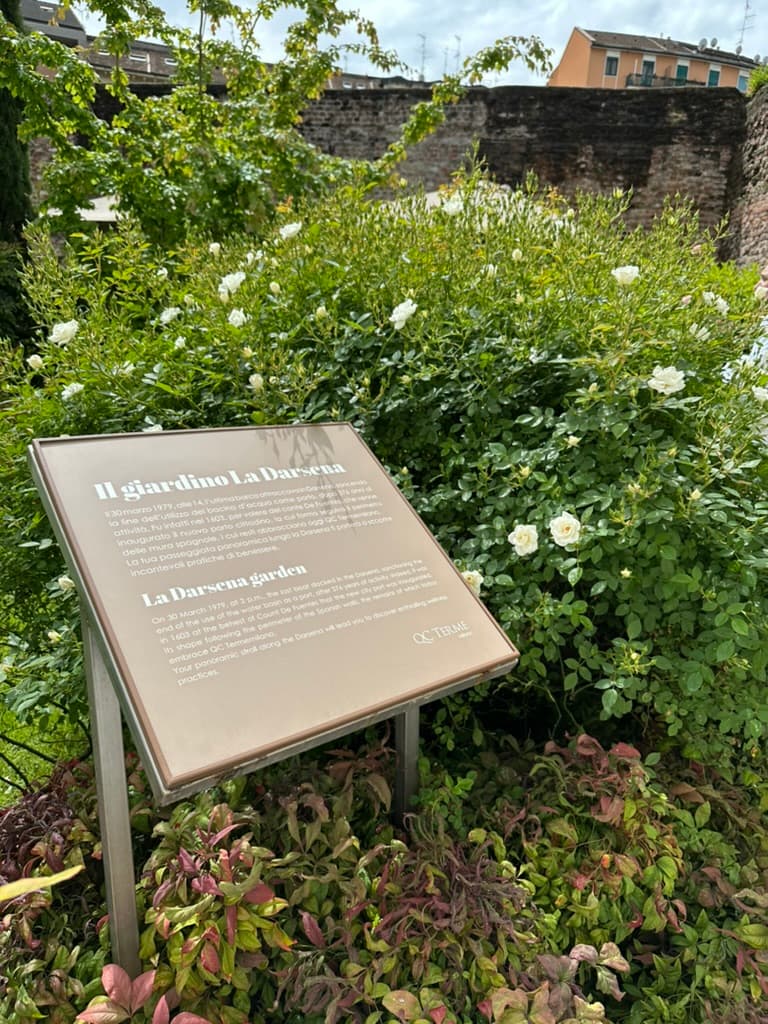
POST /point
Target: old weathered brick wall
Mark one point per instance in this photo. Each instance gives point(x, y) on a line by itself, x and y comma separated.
point(709, 145)
point(360, 124)
point(657, 142)
point(750, 213)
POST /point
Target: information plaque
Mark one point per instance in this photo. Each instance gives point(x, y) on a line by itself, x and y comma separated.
point(256, 591)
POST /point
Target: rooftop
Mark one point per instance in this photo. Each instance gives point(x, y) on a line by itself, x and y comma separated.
point(674, 47)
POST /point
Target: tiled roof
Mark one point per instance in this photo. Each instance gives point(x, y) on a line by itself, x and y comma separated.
point(660, 44)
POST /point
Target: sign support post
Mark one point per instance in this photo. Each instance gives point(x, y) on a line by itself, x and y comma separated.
point(407, 767)
point(114, 813)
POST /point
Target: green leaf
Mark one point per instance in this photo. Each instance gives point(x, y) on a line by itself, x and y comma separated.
point(753, 935)
point(403, 1004)
point(725, 650)
point(702, 814)
point(634, 626)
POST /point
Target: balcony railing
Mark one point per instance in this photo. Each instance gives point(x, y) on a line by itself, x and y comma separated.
point(643, 81)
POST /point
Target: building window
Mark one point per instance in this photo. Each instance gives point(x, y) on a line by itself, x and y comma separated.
point(171, 63)
point(713, 78)
point(742, 83)
point(681, 74)
point(649, 69)
point(611, 66)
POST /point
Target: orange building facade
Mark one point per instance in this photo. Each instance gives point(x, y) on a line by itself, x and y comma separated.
point(614, 60)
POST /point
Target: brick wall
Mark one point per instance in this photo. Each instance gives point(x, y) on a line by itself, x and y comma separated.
point(360, 124)
point(709, 145)
point(657, 142)
point(749, 217)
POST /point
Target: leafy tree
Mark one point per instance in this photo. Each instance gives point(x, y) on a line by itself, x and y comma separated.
point(188, 160)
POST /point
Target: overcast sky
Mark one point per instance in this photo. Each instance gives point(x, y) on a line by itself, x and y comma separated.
point(433, 35)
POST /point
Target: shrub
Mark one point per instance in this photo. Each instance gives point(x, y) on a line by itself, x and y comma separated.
point(49, 948)
point(542, 364)
point(191, 160)
point(587, 883)
point(15, 323)
point(757, 79)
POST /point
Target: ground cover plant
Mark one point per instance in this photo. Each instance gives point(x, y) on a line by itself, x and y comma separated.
point(569, 408)
point(577, 883)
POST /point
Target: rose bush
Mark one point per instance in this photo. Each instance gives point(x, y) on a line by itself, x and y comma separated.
point(593, 450)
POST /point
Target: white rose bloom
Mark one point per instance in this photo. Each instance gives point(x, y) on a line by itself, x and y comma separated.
point(700, 333)
point(54, 636)
point(666, 380)
point(321, 313)
point(66, 583)
point(35, 362)
point(180, 342)
point(256, 382)
point(761, 394)
point(229, 284)
point(64, 332)
point(237, 318)
point(572, 441)
point(402, 314)
point(453, 205)
point(162, 273)
point(169, 314)
point(474, 580)
point(565, 529)
point(274, 287)
point(290, 230)
point(71, 390)
point(626, 275)
point(214, 248)
point(524, 539)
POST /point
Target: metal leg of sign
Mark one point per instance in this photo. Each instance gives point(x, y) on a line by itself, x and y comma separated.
point(114, 813)
point(407, 768)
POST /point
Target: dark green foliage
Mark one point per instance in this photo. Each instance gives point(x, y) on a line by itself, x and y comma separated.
point(520, 386)
point(14, 164)
point(15, 321)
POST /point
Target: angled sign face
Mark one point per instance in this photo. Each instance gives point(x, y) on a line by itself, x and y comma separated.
point(257, 591)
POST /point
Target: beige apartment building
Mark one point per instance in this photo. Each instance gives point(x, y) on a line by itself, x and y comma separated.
point(615, 60)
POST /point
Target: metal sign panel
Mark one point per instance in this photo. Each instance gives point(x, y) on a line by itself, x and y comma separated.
point(256, 591)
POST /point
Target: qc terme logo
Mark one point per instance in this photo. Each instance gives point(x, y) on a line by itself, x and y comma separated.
point(429, 636)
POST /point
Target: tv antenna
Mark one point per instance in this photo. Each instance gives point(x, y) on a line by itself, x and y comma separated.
point(423, 39)
point(457, 53)
point(747, 21)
